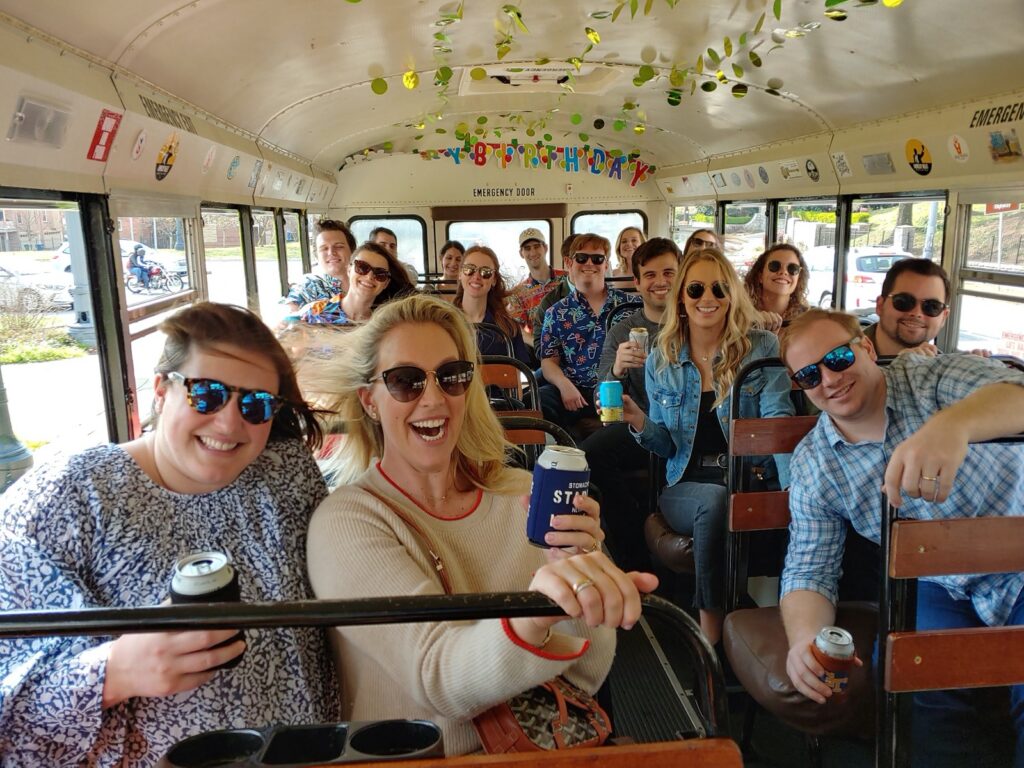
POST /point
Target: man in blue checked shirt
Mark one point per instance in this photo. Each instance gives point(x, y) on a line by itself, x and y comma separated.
point(910, 424)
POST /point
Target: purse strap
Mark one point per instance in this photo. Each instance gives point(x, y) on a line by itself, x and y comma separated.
point(434, 552)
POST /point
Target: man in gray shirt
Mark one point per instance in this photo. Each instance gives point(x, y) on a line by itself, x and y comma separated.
point(612, 452)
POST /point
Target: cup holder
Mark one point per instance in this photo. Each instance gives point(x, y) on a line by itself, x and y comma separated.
point(306, 744)
point(218, 749)
point(391, 738)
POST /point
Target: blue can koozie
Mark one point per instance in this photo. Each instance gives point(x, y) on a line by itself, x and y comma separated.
point(559, 475)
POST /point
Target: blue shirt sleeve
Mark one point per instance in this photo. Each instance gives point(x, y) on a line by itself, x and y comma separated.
point(655, 436)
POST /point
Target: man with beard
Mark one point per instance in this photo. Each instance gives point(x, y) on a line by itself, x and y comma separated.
point(911, 309)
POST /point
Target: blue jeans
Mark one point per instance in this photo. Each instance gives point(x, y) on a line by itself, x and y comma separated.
point(955, 727)
point(699, 510)
point(143, 274)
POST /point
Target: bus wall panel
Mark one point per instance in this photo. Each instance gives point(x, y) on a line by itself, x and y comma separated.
point(74, 91)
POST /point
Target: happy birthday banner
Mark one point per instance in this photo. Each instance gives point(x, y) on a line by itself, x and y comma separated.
point(571, 159)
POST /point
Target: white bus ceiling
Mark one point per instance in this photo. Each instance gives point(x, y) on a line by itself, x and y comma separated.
point(302, 96)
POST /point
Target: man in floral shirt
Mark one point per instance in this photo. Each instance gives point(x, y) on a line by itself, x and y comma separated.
point(573, 334)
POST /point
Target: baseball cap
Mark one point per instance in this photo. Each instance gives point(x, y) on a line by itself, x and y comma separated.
point(531, 233)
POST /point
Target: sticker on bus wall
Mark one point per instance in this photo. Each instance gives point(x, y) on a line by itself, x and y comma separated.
point(166, 157)
point(1004, 146)
point(140, 143)
point(958, 149)
point(103, 137)
point(211, 153)
point(763, 173)
point(233, 166)
point(918, 157)
point(842, 165)
point(748, 177)
point(812, 170)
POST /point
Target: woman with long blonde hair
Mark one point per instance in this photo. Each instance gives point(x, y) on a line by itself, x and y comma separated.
point(706, 338)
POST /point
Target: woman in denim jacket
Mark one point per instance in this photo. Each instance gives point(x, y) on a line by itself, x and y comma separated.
point(706, 339)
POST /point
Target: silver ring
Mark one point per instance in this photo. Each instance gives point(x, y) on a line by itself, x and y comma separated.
point(579, 586)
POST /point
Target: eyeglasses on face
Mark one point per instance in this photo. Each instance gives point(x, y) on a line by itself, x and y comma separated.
point(597, 259)
point(905, 302)
point(775, 265)
point(696, 289)
point(471, 269)
point(407, 382)
point(207, 396)
point(836, 360)
point(380, 274)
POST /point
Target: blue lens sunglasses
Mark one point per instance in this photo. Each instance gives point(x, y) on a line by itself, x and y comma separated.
point(836, 360)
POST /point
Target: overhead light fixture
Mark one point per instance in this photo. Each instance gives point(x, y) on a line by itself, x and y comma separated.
point(38, 122)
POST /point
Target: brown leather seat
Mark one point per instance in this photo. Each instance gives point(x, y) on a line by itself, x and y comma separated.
point(671, 549)
point(755, 643)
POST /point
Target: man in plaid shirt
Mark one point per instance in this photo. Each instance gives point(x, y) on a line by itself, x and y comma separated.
point(908, 424)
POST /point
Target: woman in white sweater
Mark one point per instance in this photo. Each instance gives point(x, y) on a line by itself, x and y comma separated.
point(424, 450)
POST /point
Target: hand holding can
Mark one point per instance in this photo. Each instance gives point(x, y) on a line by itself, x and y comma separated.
point(207, 577)
point(560, 473)
point(833, 649)
point(639, 337)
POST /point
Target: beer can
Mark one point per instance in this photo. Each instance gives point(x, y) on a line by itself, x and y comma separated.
point(833, 649)
point(560, 473)
point(207, 577)
point(610, 394)
point(639, 336)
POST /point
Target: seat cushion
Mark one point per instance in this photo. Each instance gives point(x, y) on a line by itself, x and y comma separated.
point(755, 642)
point(671, 549)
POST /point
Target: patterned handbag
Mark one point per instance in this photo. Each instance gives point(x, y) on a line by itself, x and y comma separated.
point(555, 715)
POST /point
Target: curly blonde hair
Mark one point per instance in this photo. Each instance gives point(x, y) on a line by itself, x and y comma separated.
point(333, 375)
point(735, 343)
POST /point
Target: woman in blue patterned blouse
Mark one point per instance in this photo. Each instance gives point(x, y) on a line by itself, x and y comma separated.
point(228, 467)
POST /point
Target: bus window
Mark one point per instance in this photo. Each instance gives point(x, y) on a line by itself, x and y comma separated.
point(745, 228)
point(222, 243)
point(991, 311)
point(268, 275)
point(409, 231)
point(503, 238)
point(48, 360)
point(608, 224)
point(810, 225)
point(687, 219)
point(293, 246)
point(162, 241)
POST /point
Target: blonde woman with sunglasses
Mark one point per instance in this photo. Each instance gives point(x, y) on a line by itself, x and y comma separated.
point(227, 468)
point(777, 285)
point(481, 296)
point(374, 277)
point(706, 338)
point(424, 482)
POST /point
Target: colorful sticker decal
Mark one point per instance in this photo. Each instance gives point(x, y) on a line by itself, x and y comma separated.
point(571, 159)
point(812, 170)
point(211, 153)
point(748, 177)
point(1004, 146)
point(719, 179)
point(878, 164)
point(256, 168)
point(735, 179)
point(140, 143)
point(790, 170)
point(958, 149)
point(103, 137)
point(233, 166)
point(918, 157)
point(762, 173)
point(842, 165)
point(166, 157)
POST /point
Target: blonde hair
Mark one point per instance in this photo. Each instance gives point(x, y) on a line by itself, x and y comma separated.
point(618, 244)
point(333, 377)
point(735, 343)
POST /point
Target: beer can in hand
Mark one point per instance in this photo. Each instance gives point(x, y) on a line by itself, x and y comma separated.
point(610, 395)
point(207, 577)
point(833, 649)
point(559, 475)
point(639, 336)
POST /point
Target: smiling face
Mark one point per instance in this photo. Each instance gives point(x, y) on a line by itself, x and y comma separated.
point(451, 260)
point(629, 241)
point(780, 282)
point(419, 436)
point(476, 285)
point(588, 277)
point(388, 241)
point(707, 312)
point(197, 453)
point(656, 278)
point(367, 286)
point(908, 329)
point(533, 252)
point(333, 253)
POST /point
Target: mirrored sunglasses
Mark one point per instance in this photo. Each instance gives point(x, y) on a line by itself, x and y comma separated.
point(696, 289)
point(597, 259)
point(207, 396)
point(380, 274)
point(905, 302)
point(407, 382)
point(836, 360)
point(471, 269)
point(775, 265)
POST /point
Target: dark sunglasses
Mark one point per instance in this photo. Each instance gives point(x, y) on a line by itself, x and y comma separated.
point(380, 274)
point(700, 242)
point(207, 396)
point(837, 360)
point(696, 289)
point(407, 382)
point(905, 302)
point(775, 265)
point(597, 259)
point(471, 269)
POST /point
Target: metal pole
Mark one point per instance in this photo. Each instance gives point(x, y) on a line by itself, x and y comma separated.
point(15, 459)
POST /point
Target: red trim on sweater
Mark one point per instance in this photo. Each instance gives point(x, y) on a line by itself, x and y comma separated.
point(511, 634)
point(397, 487)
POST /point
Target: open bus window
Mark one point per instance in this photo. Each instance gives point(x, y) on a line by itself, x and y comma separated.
point(687, 219)
point(154, 262)
point(409, 231)
point(503, 238)
point(222, 246)
point(745, 228)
